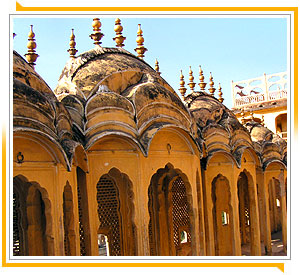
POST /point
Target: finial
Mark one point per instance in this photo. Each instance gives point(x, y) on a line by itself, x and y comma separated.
point(202, 84)
point(182, 89)
point(157, 67)
point(72, 51)
point(221, 99)
point(191, 78)
point(140, 49)
point(119, 38)
point(263, 120)
point(97, 35)
point(211, 85)
point(31, 55)
point(243, 117)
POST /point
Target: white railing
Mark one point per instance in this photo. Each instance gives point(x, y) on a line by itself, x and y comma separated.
point(260, 89)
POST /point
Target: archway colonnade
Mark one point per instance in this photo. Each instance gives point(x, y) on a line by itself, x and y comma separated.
point(166, 203)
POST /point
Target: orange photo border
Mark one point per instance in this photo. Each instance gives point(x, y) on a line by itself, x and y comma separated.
point(280, 265)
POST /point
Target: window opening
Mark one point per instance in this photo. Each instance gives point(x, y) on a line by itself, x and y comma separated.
point(277, 202)
point(225, 218)
point(103, 245)
point(183, 236)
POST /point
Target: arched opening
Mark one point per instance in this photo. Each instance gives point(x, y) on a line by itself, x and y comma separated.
point(116, 232)
point(170, 226)
point(222, 216)
point(68, 216)
point(31, 219)
point(281, 125)
point(83, 213)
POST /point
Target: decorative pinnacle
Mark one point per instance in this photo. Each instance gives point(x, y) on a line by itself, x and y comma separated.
point(211, 84)
point(72, 51)
point(140, 49)
point(182, 89)
point(97, 35)
point(157, 67)
point(119, 38)
point(191, 78)
point(221, 99)
point(202, 84)
point(31, 55)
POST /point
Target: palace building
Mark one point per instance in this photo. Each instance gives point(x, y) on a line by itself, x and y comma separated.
point(114, 162)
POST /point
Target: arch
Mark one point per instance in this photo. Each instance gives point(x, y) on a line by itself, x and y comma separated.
point(226, 157)
point(128, 137)
point(151, 132)
point(116, 213)
point(35, 223)
point(281, 125)
point(50, 144)
point(222, 216)
point(171, 213)
point(68, 217)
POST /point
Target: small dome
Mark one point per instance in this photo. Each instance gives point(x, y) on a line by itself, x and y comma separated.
point(258, 132)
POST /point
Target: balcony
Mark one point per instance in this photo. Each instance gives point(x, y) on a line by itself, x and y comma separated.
point(258, 90)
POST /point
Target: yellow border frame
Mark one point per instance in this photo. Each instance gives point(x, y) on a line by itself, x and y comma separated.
point(19, 7)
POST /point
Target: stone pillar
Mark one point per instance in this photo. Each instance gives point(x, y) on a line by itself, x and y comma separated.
point(283, 211)
point(208, 206)
point(264, 209)
point(254, 218)
point(241, 197)
point(235, 220)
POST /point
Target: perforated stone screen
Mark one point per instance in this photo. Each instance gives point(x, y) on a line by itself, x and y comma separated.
point(109, 213)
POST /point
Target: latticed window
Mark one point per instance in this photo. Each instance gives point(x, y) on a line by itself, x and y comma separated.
point(81, 228)
point(180, 211)
point(16, 223)
point(109, 213)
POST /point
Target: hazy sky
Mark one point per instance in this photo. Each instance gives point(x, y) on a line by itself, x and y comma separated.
point(231, 48)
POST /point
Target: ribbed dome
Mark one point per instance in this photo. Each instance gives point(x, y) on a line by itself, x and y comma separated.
point(23, 72)
point(115, 68)
point(207, 110)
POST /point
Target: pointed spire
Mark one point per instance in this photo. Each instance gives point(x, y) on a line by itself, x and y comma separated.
point(221, 99)
point(157, 67)
point(72, 51)
point(182, 89)
point(211, 85)
point(202, 84)
point(97, 35)
point(31, 55)
point(191, 78)
point(140, 49)
point(119, 38)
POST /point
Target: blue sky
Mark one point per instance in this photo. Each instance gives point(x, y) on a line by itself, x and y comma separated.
point(230, 48)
